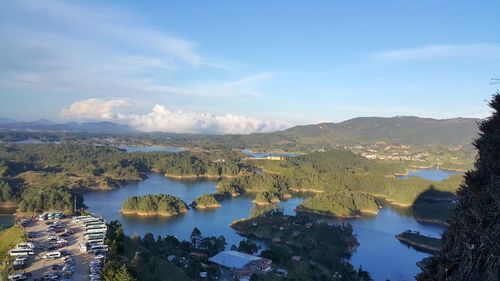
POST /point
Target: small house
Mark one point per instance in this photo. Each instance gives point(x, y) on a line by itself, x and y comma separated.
point(282, 272)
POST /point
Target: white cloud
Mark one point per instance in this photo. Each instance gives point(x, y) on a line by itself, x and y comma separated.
point(93, 109)
point(429, 52)
point(161, 119)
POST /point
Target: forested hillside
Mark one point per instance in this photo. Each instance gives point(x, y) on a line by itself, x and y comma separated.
point(470, 248)
point(345, 184)
point(48, 176)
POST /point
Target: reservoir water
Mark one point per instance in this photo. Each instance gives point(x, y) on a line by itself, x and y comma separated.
point(265, 154)
point(6, 215)
point(431, 174)
point(151, 148)
point(379, 252)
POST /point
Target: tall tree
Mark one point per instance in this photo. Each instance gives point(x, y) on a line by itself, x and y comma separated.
point(471, 245)
point(195, 236)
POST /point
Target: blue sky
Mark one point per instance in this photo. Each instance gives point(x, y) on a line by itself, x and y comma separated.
point(233, 66)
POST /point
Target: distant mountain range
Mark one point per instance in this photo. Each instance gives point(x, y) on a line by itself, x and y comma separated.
point(47, 125)
point(363, 130)
point(404, 130)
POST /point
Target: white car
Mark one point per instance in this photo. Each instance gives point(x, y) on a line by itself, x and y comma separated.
point(52, 255)
point(17, 276)
point(98, 257)
point(68, 268)
point(21, 258)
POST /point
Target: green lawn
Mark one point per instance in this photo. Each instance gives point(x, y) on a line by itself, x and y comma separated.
point(8, 239)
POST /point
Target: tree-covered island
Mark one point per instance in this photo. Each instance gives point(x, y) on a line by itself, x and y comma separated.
point(206, 201)
point(154, 205)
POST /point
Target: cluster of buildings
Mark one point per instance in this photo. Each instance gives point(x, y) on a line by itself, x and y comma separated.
point(382, 151)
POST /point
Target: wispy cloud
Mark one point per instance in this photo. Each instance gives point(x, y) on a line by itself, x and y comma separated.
point(430, 52)
point(95, 50)
point(162, 119)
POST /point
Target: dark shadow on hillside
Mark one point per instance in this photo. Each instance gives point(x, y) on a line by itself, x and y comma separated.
point(434, 206)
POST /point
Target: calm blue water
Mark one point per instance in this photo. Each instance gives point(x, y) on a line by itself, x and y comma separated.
point(431, 174)
point(265, 154)
point(6, 216)
point(380, 252)
point(152, 148)
point(33, 141)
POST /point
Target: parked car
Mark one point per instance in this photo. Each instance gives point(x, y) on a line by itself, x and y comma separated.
point(52, 255)
point(51, 275)
point(19, 276)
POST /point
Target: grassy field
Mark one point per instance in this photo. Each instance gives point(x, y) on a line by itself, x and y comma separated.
point(8, 239)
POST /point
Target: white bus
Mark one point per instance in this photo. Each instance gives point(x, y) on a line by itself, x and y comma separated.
point(100, 224)
point(87, 224)
point(21, 252)
point(93, 220)
point(82, 221)
point(80, 218)
point(99, 248)
point(95, 236)
point(95, 242)
point(97, 227)
point(25, 245)
point(94, 232)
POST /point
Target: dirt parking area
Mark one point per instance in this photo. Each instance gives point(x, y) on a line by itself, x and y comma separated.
point(39, 265)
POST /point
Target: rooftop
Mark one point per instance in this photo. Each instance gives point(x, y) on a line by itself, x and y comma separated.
point(233, 259)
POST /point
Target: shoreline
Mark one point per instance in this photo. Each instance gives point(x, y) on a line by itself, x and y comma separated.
point(204, 207)
point(300, 209)
point(170, 176)
point(312, 190)
point(414, 168)
point(418, 246)
point(264, 203)
point(151, 214)
point(9, 204)
point(431, 221)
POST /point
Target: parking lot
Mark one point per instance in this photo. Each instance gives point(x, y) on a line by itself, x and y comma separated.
point(71, 265)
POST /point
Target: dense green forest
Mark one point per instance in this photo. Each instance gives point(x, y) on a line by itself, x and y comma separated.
point(62, 171)
point(137, 259)
point(345, 183)
point(161, 204)
point(206, 201)
point(345, 204)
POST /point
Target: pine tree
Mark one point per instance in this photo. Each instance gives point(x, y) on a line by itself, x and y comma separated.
point(471, 245)
point(122, 274)
point(117, 271)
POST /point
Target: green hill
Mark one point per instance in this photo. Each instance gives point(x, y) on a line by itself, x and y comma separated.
point(395, 130)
